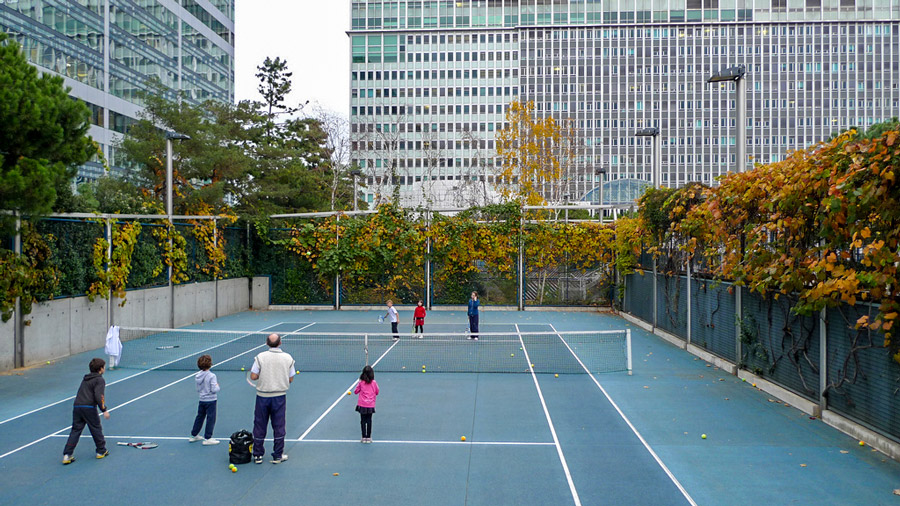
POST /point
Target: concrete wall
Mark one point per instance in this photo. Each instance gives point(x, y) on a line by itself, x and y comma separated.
point(58, 328)
point(7, 345)
point(63, 327)
point(260, 300)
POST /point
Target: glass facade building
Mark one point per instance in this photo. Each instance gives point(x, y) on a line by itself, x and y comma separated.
point(430, 81)
point(109, 50)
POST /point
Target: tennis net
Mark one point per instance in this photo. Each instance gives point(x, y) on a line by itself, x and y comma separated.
point(542, 352)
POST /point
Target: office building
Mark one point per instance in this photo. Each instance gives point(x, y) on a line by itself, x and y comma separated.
point(109, 50)
point(430, 81)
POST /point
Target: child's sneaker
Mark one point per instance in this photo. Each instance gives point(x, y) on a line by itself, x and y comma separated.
point(210, 442)
point(194, 439)
point(257, 460)
point(104, 454)
point(363, 440)
point(68, 459)
point(368, 440)
point(283, 458)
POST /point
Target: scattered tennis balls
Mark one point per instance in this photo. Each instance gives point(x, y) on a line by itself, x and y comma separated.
point(48, 362)
point(862, 443)
point(233, 469)
point(463, 438)
point(512, 354)
point(242, 368)
point(335, 474)
point(532, 365)
point(556, 375)
point(702, 436)
point(348, 392)
point(298, 371)
point(744, 380)
point(754, 385)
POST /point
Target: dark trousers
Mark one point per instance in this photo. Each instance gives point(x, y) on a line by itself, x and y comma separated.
point(394, 329)
point(207, 410)
point(473, 325)
point(420, 329)
point(80, 418)
point(269, 408)
point(365, 423)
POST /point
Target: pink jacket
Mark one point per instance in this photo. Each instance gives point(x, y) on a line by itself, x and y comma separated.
point(367, 393)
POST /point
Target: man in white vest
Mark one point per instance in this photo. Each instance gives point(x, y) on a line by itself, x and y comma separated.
point(273, 371)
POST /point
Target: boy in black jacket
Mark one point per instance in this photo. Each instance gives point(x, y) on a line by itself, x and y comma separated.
point(90, 396)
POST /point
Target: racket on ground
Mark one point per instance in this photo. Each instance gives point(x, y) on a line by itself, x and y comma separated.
point(169, 347)
point(139, 445)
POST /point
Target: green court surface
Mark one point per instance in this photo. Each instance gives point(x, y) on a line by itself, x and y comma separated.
point(546, 434)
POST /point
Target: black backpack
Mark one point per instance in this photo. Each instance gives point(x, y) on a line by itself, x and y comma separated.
point(240, 450)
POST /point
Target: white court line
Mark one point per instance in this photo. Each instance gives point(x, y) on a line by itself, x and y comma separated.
point(633, 429)
point(343, 394)
point(562, 457)
point(141, 396)
point(145, 371)
point(339, 441)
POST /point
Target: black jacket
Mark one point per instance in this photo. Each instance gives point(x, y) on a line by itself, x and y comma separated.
point(91, 392)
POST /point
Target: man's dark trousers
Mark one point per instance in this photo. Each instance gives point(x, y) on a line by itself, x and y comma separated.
point(269, 408)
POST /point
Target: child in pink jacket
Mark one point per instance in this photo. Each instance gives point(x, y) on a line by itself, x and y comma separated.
point(367, 388)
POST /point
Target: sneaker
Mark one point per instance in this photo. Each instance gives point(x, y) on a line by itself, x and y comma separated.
point(257, 460)
point(474, 338)
point(421, 336)
point(104, 454)
point(210, 442)
point(396, 338)
point(368, 440)
point(194, 439)
point(363, 440)
point(283, 458)
point(68, 459)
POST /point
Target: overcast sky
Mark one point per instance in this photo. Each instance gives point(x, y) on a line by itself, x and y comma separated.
point(309, 34)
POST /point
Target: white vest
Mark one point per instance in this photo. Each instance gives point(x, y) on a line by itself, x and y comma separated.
point(275, 368)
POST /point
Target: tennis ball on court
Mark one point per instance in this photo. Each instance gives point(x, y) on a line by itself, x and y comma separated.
point(754, 385)
point(532, 365)
point(702, 436)
point(242, 368)
point(348, 392)
point(744, 380)
point(556, 375)
point(233, 469)
point(462, 438)
point(862, 443)
point(298, 371)
point(48, 362)
point(512, 354)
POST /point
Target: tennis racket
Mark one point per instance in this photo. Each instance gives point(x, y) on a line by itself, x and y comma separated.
point(169, 347)
point(139, 445)
point(251, 382)
point(381, 318)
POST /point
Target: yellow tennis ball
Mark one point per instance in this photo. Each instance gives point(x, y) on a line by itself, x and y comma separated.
point(423, 371)
point(298, 371)
point(348, 392)
point(48, 362)
point(462, 438)
point(233, 469)
point(512, 354)
point(702, 436)
point(532, 365)
point(242, 368)
point(862, 443)
point(556, 375)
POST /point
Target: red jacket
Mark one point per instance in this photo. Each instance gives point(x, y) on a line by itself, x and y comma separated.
point(419, 315)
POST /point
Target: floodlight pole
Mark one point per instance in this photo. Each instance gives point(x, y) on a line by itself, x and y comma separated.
point(657, 154)
point(171, 136)
point(355, 173)
point(738, 75)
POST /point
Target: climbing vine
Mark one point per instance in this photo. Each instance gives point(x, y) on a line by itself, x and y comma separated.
point(112, 273)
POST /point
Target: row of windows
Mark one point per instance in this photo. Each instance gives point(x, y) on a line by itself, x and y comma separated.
point(631, 52)
point(463, 91)
point(712, 31)
point(402, 75)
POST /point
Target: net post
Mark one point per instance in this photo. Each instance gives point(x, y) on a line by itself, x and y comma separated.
point(628, 349)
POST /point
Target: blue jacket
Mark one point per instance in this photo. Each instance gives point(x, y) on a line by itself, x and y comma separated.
point(473, 308)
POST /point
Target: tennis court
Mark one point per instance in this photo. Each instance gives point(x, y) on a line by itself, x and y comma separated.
point(543, 434)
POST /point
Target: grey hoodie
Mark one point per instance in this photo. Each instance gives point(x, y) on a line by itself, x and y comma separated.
point(207, 385)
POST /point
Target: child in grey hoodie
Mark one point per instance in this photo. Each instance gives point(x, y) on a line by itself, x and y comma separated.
point(207, 387)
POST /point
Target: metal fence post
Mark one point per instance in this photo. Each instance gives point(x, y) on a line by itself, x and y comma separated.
point(216, 270)
point(688, 336)
point(738, 318)
point(823, 358)
point(18, 327)
point(522, 263)
point(109, 301)
point(428, 261)
point(655, 311)
point(337, 277)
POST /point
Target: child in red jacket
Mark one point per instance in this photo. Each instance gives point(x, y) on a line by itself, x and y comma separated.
point(419, 319)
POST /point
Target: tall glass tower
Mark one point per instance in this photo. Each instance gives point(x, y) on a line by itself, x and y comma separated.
point(108, 50)
point(430, 81)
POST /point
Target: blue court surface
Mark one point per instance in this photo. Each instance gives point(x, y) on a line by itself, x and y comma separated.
point(531, 437)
